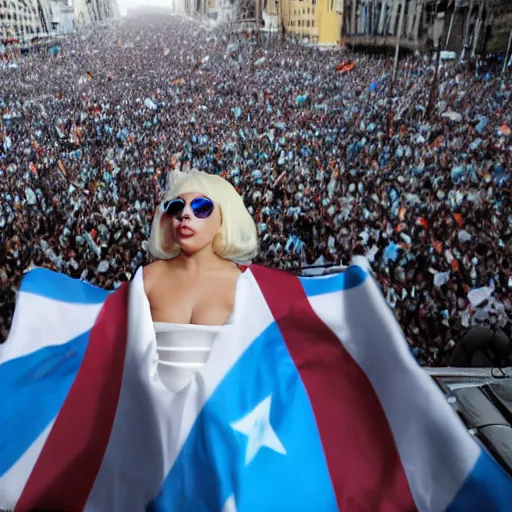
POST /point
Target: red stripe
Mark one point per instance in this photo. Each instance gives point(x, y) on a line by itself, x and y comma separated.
point(363, 461)
point(69, 462)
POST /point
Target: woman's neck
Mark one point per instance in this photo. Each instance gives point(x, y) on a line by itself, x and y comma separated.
point(200, 261)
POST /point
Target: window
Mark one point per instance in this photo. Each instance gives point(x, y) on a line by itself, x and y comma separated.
point(308, 23)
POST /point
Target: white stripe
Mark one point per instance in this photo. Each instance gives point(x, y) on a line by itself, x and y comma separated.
point(13, 482)
point(152, 423)
point(183, 349)
point(436, 451)
point(171, 327)
point(181, 365)
point(41, 322)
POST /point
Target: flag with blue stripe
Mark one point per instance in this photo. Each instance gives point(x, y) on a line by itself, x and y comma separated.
point(310, 400)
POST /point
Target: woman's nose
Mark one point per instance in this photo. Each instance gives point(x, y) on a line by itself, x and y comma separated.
point(185, 214)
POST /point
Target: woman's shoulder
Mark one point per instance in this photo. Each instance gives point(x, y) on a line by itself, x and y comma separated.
point(155, 267)
point(153, 273)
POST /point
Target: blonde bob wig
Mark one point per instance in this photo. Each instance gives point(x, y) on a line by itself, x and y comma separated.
point(237, 239)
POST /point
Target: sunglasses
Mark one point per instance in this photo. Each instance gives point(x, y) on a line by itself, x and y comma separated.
point(202, 207)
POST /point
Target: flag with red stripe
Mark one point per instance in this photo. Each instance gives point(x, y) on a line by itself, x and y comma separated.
point(310, 400)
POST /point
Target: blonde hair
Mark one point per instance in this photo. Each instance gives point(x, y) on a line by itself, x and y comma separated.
point(237, 239)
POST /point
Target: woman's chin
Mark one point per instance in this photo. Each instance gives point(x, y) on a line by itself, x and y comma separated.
point(188, 247)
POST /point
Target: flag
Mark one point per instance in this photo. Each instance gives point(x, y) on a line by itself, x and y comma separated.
point(345, 67)
point(54, 50)
point(33, 169)
point(310, 400)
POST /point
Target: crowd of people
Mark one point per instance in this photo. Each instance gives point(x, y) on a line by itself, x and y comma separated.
point(329, 163)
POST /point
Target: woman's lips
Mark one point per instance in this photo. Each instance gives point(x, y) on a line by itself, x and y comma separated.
point(185, 232)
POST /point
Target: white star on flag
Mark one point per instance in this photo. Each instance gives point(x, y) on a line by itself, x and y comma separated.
point(230, 505)
point(256, 426)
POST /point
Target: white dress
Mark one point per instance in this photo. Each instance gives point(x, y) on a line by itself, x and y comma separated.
point(182, 350)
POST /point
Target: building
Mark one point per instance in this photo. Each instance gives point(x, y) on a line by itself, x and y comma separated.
point(329, 18)
point(221, 11)
point(315, 21)
point(501, 26)
point(90, 11)
point(23, 19)
point(462, 26)
point(270, 15)
point(62, 18)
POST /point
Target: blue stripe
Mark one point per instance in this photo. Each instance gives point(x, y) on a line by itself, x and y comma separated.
point(353, 276)
point(33, 389)
point(53, 285)
point(487, 488)
point(211, 465)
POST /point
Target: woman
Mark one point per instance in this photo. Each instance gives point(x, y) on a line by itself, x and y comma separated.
point(259, 391)
point(200, 229)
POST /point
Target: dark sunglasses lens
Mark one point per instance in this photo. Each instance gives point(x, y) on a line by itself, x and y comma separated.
point(202, 207)
point(174, 207)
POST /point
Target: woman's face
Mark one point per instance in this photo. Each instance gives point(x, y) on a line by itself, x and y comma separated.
point(191, 233)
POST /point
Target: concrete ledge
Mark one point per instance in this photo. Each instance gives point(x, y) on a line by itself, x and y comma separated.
point(383, 42)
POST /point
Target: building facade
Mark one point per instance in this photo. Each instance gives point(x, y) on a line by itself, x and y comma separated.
point(23, 19)
point(271, 21)
point(62, 17)
point(374, 22)
point(90, 11)
point(461, 26)
point(329, 18)
point(221, 11)
point(501, 25)
point(315, 21)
